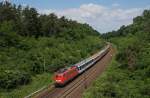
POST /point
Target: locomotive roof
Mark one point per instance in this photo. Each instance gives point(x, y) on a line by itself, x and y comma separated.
point(62, 70)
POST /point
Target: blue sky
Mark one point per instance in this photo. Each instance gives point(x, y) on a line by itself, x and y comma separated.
point(62, 4)
point(103, 15)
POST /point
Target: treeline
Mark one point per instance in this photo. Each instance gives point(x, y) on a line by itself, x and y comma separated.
point(31, 43)
point(129, 74)
point(28, 22)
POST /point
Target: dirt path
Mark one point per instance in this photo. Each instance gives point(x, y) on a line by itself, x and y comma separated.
point(75, 88)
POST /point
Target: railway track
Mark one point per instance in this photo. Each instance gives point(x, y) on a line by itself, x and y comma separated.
point(75, 88)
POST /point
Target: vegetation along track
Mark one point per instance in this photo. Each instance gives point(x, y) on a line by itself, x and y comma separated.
point(75, 88)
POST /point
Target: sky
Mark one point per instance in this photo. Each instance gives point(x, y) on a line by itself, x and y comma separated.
point(102, 15)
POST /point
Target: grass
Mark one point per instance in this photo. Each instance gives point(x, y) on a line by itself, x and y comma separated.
point(38, 82)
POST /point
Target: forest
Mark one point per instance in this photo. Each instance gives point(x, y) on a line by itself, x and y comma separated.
point(128, 75)
point(32, 43)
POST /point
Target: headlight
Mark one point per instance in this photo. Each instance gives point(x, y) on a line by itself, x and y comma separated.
point(58, 80)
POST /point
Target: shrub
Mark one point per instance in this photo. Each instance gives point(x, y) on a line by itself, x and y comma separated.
point(11, 79)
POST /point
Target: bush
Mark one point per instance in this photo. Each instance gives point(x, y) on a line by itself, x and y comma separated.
point(11, 79)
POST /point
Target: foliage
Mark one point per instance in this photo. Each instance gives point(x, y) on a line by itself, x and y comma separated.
point(31, 44)
point(129, 74)
point(12, 78)
point(38, 82)
point(118, 82)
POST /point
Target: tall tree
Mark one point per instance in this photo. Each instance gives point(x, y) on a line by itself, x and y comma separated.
point(7, 12)
point(50, 24)
point(31, 22)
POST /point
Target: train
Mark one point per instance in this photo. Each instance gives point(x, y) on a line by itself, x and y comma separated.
point(64, 75)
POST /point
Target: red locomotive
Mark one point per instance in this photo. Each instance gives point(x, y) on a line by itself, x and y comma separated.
point(66, 74)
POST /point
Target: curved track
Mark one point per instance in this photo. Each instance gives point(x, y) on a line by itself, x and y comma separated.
point(75, 88)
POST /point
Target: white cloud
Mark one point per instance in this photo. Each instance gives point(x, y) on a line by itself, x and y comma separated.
point(102, 18)
point(115, 5)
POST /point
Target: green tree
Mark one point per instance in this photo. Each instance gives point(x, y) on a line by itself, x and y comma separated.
point(31, 23)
